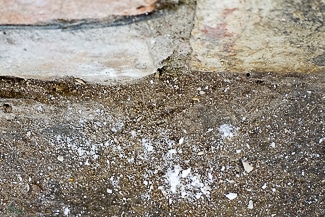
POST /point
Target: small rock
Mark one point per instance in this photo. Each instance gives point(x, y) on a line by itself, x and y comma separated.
point(7, 108)
point(272, 144)
point(247, 167)
point(60, 158)
point(264, 186)
point(231, 196)
point(202, 92)
point(79, 81)
point(250, 204)
point(200, 153)
point(196, 99)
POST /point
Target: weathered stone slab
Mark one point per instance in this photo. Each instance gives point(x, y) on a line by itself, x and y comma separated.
point(96, 54)
point(243, 36)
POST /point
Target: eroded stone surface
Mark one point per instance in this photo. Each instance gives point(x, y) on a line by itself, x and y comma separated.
point(280, 36)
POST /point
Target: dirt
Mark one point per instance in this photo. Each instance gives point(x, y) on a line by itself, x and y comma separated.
point(165, 145)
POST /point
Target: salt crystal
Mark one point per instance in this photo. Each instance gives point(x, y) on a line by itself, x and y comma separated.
point(66, 211)
point(181, 140)
point(185, 173)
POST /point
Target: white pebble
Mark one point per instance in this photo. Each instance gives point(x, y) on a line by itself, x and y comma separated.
point(250, 205)
point(231, 196)
point(247, 167)
point(60, 158)
point(181, 140)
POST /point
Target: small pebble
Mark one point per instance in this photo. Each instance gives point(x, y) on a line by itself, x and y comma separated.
point(181, 140)
point(250, 205)
point(60, 158)
point(247, 167)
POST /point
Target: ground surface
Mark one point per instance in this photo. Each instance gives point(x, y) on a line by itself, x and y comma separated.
point(164, 146)
point(175, 143)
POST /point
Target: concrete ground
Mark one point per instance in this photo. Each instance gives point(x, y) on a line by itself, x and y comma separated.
point(206, 132)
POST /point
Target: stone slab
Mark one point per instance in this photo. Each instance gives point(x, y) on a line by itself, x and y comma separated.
point(244, 36)
point(43, 11)
point(115, 53)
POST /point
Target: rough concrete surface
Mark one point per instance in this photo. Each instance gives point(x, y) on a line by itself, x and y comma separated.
point(179, 142)
point(168, 146)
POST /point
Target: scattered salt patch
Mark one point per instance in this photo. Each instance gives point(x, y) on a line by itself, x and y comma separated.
point(227, 131)
point(133, 133)
point(172, 151)
point(196, 182)
point(231, 196)
point(66, 211)
point(87, 162)
point(185, 173)
point(173, 178)
point(250, 205)
point(148, 146)
point(40, 108)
